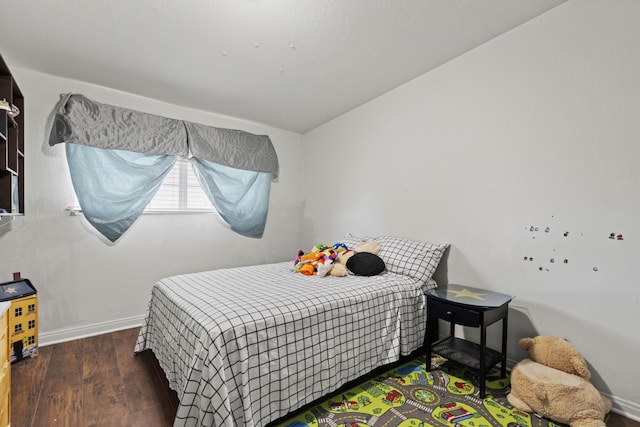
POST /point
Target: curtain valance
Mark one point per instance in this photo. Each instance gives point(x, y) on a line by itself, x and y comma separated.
point(118, 159)
point(234, 148)
point(80, 120)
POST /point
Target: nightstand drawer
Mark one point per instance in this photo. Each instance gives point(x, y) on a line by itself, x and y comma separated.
point(453, 313)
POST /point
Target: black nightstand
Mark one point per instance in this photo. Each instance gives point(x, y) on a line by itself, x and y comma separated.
point(473, 307)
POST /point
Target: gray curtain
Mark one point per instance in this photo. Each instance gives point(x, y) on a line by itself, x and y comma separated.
point(80, 120)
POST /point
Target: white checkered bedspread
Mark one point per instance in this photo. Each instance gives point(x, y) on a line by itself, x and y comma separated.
point(245, 346)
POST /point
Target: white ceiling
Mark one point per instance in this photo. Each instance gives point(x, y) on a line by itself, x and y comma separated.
point(292, 64)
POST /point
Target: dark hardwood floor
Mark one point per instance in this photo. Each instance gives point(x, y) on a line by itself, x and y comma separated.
point(98, 381)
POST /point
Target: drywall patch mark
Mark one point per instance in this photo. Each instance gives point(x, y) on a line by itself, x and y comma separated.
point(553, 240)
point(535, 229)
point(554, 246)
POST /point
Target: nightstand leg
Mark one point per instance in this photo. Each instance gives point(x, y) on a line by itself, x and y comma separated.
point(503, 366)
point(483, 358)
point(431, 335)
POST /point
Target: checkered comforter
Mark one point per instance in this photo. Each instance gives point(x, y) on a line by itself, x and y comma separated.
point(245, 346)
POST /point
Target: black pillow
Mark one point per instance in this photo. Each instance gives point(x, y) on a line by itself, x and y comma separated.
point(365, 264)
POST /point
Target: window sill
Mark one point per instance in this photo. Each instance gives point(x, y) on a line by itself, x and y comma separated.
point(76, 210)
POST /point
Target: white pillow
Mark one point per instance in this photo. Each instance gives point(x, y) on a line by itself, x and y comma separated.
point(418, 260)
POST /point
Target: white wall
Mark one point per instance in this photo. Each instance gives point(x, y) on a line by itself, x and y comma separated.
point(86, 285)
point(539, 127)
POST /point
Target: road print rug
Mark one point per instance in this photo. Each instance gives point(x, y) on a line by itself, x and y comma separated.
point(409, 396)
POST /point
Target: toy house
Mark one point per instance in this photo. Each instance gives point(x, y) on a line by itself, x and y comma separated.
point(23, 318)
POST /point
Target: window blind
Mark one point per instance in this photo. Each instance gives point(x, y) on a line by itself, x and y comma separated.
point(180, 192)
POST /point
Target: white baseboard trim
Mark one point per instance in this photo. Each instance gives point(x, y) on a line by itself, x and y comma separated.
point(74, 333)
point(625, 407)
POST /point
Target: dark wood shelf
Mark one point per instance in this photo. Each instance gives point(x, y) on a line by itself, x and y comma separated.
point(466, 353)
point(11, 146)
point(3, 125)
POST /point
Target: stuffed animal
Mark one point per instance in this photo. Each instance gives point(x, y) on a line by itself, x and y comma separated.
point(339, 268)
point(369, 246)
point(556, 353)
point(325, 260)
point(555, 383)
point(318, 261)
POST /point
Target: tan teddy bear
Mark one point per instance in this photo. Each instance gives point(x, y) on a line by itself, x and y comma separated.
point(555, 384)
point(340, 266)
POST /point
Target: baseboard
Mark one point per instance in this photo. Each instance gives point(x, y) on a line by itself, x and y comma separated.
point(624, 407)
point(74, 333)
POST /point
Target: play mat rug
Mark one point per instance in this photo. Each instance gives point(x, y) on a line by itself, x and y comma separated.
point(409, 396)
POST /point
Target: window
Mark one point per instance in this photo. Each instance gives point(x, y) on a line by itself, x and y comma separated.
point(180, 192)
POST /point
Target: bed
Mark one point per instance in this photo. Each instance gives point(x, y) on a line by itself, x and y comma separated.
point(245, 346)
